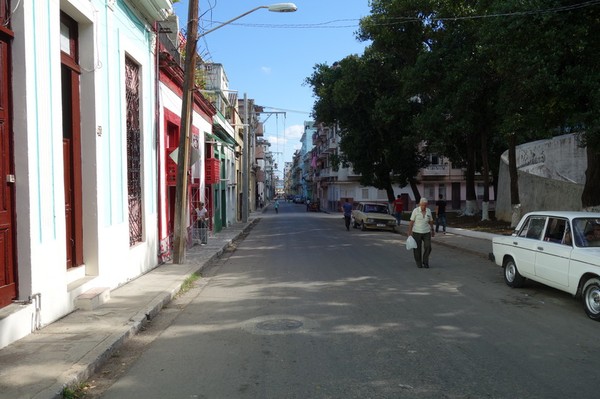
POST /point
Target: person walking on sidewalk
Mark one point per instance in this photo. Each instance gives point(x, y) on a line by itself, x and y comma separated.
point(201, 223)
point(440, 214)
point(398, 208)
point(347, 207)
point(277, 205)
point(420, 228)
point(201, 215)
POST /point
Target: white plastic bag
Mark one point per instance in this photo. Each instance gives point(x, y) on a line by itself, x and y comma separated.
point(411, 243)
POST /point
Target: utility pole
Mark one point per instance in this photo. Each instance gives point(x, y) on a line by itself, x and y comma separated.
point(245, 162)
point(183, 156)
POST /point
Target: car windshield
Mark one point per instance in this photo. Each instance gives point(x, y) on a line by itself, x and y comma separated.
point(586, 232)
point(371, 208)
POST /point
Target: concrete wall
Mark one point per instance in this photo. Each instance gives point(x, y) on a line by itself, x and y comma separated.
point(551, 176)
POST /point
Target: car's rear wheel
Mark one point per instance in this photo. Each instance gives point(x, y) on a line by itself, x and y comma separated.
point(591, 298)
point(512, 277)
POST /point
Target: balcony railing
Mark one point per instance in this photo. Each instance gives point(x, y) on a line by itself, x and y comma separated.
point(435, 170)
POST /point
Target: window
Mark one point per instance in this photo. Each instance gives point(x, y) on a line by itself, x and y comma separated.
point(586, 232)
point(555, 230)
point(429, 191)
point(479, 191)
point(442, 191)
point(365, 193)
point(134, 159)
point(533, 227)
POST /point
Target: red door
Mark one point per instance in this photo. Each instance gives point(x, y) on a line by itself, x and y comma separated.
point(72, 146)
point(8, 274)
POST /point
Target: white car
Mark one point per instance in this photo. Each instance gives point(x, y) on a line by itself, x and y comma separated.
point(558, 249)
point(373, 215)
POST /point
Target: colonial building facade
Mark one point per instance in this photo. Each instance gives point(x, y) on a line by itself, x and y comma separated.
point(79, 204)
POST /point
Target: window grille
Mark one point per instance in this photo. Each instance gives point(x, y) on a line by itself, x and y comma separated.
point(134, 172)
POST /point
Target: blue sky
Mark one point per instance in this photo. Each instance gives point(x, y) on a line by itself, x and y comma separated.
point(268, 55)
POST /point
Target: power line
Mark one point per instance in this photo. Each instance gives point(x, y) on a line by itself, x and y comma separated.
point(354, 23)
point(286, 110)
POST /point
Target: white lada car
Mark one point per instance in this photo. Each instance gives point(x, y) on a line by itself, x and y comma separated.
point(558, 249)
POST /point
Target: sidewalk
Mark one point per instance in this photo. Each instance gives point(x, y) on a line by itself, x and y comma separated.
point(71, 349)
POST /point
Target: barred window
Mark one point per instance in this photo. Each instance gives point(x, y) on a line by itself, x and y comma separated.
point(134, 161)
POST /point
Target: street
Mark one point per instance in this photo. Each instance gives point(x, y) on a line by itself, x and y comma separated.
point(305, 309)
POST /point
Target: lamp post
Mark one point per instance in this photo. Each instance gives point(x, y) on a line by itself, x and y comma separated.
point(183, 155)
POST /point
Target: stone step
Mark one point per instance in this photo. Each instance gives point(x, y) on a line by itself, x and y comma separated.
point(93, 298)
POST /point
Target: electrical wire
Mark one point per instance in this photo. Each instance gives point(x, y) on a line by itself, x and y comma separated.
point(354, 23)
point(286, 110)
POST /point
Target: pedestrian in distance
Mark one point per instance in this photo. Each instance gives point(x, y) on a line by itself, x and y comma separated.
point(398, 209)
point(420, 228)
point(201, 215)
point(347, 208)
point(201, 223)
point(440, 214)
point(276, 205)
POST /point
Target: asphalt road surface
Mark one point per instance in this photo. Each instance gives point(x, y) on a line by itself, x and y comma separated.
point(303, 308)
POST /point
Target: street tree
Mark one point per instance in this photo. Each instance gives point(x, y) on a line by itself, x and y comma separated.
point(357, 93)
point(543, 55)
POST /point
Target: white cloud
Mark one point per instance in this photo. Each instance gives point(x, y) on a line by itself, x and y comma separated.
point(292, 135)
point(276, 140)
point(266, 70)
point(294, 132)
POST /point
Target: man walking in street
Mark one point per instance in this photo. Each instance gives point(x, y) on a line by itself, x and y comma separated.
point(398, 208)
point(440, 214)
point(421, 228)
point(347, 207)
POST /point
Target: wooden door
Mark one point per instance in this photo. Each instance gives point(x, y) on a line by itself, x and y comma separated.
point(8, 273)
point(72, 145)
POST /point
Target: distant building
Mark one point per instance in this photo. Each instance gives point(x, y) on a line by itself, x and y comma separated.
point(316, 174)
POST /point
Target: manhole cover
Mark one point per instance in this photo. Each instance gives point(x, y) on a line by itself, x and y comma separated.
point(279, 325)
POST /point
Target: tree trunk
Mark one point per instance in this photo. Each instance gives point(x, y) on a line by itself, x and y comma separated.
point(590, 198)
point(514, 179)
point(415, 190)
point(485, 173)
point(471, 203)
point(390, 194)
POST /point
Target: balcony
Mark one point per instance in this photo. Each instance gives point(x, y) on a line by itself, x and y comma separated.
point(317, 139)
point(322, 154)
point(328, 173)
point(333, 142)
point(436, 170)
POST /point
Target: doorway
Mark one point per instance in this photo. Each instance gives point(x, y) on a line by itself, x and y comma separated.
point(70, 72)
point(8, 272)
